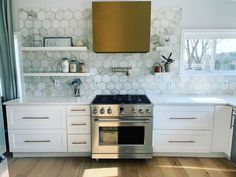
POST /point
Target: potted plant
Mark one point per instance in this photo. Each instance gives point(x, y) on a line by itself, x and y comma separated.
point(168, 62)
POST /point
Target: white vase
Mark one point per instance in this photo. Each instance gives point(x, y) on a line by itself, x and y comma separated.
point(168, 67)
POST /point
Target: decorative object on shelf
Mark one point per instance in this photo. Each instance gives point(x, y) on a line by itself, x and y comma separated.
point(82, 67)
point(157, 68)
point(73, 66)
point(168, 62)
point(57, 41)
point(36, 38)
point(79, 43)
point(76, 83)
point(126, 70)
point(65, 65)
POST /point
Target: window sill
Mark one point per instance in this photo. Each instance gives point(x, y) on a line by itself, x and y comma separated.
point(205, 73)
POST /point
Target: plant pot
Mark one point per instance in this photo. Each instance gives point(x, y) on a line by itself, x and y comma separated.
point(168, 67)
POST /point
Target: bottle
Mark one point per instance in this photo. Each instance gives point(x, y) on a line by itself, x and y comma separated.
point(73, 66)
point(65, 65)
point(82, 67)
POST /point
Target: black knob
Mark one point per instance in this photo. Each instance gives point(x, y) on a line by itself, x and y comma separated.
point(109, 111)
point(148, 111)
point(141, 111)
point(102, 111)
point(95, 111)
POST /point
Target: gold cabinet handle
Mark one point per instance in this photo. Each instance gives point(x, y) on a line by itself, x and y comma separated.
point(181, 141)
point(34, 118)
point(82, 142)
point(78, 124)
point(37, 141)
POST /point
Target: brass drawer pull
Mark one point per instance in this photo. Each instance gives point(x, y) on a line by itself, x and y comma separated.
point(181, 118)
point(81, 110)
point(181, 141)
point(83, 142)
point(79, 124)
point(33, 118)
point(37, 141)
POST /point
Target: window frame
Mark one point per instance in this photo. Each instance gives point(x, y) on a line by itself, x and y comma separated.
point(208, 34)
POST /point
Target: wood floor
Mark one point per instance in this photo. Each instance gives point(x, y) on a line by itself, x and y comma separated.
point(85, 167)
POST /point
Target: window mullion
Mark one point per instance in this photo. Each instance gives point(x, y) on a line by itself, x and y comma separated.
point(213, 55)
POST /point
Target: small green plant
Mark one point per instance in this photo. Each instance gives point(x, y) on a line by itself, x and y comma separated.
point(168, 59)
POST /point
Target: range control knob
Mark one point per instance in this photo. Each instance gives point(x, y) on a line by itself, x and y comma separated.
point(148, 111)
point(102, 111)
point(109, 111)
point(133, 110)
point(141, 111)
point(95, 111)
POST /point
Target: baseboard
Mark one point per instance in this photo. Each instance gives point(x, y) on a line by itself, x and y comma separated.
point(179, 154)
point(51, 154)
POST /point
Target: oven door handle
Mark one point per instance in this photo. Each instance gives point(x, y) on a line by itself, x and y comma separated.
point(122, 121)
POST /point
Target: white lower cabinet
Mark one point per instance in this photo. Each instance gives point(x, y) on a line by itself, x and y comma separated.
point(182, 141)
point(37, 140)
point(78, 128)
point(183, 129)
point(79, 143)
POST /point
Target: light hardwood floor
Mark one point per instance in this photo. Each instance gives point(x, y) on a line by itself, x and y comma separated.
point(85, 167)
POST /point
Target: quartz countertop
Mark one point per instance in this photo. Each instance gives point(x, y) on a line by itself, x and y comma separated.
point(50, 101)
point(193, 99)
point(155, 99)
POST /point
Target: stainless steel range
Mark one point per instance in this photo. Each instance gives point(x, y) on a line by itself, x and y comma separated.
point(121, 127)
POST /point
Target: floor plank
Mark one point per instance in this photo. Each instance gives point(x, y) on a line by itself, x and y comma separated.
point(85, 167)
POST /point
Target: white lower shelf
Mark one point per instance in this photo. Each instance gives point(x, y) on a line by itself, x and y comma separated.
point(56, 74)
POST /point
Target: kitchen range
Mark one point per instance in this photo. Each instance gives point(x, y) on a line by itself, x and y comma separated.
point(121, 126)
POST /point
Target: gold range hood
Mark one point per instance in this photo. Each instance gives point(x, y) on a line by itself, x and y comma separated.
point(121, 27)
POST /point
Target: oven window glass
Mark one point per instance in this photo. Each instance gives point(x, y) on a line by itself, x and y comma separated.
point(122, 135)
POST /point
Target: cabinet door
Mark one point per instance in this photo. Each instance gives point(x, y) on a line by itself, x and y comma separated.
point(221, 131)
point(183, 117)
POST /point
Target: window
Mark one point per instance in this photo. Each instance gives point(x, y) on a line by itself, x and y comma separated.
point(209, 52)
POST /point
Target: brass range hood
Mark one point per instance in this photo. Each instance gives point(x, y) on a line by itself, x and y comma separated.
point(121, 26)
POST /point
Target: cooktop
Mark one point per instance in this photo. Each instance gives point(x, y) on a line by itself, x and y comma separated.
point(121, 99)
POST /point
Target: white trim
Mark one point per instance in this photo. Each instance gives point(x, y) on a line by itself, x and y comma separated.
point(51, 154)
point(178, 154)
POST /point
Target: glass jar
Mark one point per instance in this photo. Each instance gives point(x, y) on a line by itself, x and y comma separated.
point(73, 66)
point(82, 67)
point(65, 65)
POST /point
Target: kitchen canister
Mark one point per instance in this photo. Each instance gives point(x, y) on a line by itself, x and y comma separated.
point(82, 67)
point(73, 66)
point(65, 65)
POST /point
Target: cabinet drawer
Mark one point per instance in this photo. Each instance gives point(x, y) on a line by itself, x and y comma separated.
point(182, 141)
point(37, 141)
point(183, 117)
point(36, 117)
point(78, 124)
point(83, 110)
point(79, 143)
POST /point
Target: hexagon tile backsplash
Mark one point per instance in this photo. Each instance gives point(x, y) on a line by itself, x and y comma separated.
point(166, 24)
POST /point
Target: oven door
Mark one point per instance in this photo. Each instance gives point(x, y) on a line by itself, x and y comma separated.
point(116, 136)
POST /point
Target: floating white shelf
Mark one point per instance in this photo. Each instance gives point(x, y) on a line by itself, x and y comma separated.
point(54, 48)
point(56, 74)
point(165, 48)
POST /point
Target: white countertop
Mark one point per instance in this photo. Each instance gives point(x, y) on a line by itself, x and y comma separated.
point(193, 99)
point(49, 101)
point(155, 99)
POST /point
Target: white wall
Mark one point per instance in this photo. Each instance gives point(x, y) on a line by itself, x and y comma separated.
point(196, 13)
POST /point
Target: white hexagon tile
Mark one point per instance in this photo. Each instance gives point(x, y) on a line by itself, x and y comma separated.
point(165, 31)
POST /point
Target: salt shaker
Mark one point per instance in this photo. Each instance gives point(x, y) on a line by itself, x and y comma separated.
point(82, 67)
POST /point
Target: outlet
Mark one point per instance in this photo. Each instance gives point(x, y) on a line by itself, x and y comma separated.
point(56, 83)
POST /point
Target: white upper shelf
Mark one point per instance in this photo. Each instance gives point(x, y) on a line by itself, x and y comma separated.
point(54, 48)
point(56, 74)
